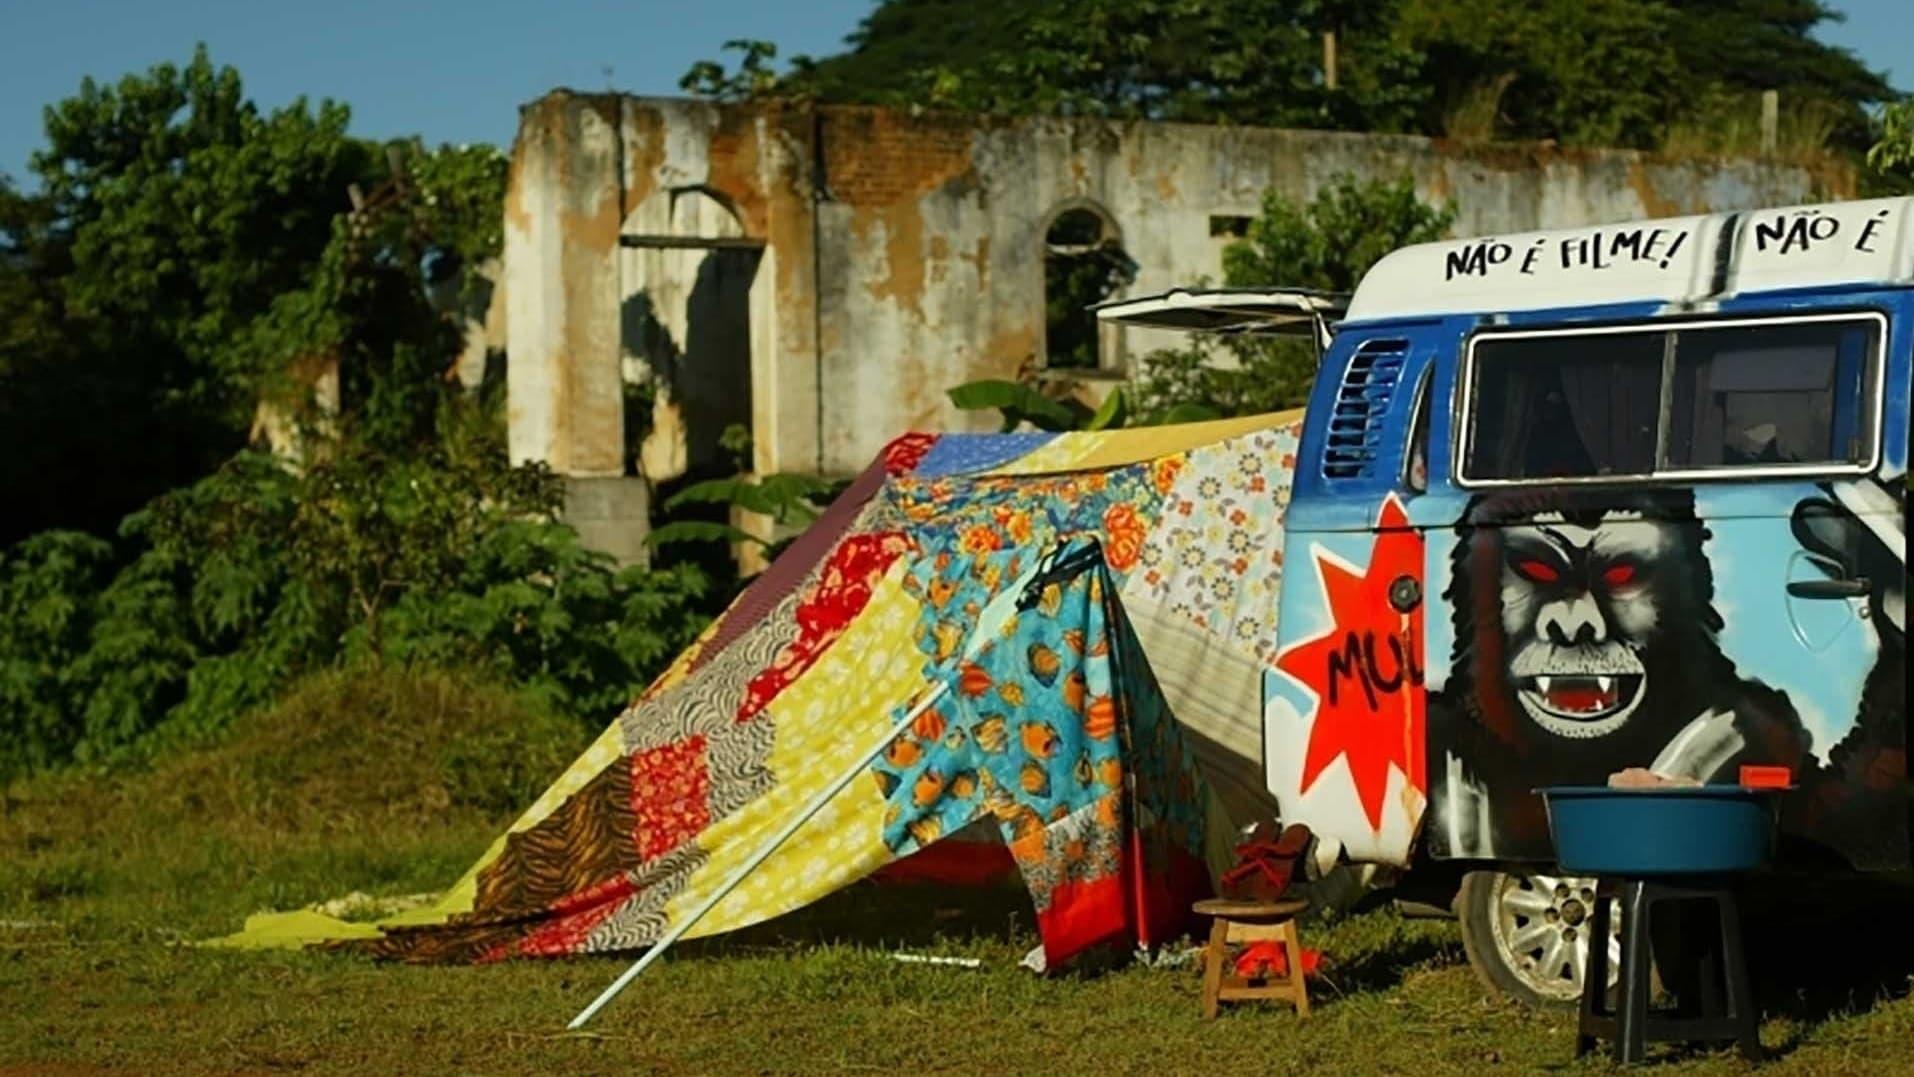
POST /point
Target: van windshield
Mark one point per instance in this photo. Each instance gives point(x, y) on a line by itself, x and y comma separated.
point(1594, 404)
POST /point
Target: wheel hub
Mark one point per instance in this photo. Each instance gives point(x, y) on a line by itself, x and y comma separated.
point(1540, 927)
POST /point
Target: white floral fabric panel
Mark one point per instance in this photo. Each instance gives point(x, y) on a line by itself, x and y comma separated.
point(1215, 556)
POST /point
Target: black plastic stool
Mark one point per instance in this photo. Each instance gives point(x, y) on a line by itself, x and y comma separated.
point(1727, 1005)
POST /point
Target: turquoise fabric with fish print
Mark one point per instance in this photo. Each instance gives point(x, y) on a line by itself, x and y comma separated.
point(1057, 730)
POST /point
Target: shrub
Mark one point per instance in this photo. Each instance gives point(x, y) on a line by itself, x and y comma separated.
point(257, 574)
point(49, 600)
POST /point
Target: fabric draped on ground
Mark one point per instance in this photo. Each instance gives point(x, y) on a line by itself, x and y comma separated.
point(1097, 609)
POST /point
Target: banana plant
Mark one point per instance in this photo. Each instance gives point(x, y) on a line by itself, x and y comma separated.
point(1020, 404)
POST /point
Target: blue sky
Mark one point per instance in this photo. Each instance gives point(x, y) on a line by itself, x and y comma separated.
point(450, 71)
point(457, 71)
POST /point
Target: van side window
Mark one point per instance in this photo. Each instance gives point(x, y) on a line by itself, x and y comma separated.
point(1553, 407)
point(1688, 399)
point(1415, 466)
point(1783, 395)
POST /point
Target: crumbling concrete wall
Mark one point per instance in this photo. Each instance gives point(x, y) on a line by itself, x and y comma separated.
point(903, 254)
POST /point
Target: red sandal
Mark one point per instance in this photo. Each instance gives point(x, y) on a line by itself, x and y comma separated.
point(1264, 867)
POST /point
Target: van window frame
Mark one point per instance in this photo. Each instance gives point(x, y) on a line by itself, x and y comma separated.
point(1465, 412)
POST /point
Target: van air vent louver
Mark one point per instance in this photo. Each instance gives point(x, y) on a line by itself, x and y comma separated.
point(1362, 401)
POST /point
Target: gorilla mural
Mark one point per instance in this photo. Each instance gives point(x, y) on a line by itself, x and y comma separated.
point(1585, 643)
point(1857, 533)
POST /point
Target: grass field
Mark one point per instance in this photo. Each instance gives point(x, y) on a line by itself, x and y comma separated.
point(102, 879)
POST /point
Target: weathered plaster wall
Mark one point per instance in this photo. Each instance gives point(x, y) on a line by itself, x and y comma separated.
point(903, 254)
point(562, 215)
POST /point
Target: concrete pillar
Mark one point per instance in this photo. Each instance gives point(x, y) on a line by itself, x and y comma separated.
point(564, 204)
point(611, 514)
point(562, 215)
point(786, 338)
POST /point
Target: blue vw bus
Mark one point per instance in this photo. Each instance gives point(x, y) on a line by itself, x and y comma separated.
point(1579, 501)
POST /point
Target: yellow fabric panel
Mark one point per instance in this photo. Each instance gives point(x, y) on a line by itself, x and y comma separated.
point(826, 721)
point(292, 931)
point(1094, 450)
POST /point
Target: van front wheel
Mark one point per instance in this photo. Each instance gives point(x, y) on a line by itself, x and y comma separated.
point(1527, 933)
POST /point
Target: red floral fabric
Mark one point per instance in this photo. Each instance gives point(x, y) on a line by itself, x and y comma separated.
point(840, 594)
point(902, 455)
point(669, 795)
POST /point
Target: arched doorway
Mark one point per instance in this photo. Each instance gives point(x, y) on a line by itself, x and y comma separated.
point(686, 270)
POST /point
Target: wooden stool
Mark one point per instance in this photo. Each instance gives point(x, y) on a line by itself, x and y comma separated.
point(1251, 921)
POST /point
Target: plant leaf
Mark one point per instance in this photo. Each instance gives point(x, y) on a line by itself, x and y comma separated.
point(699, 531)
point(1189, 413)
point(1112, 414)
point(1016, 400)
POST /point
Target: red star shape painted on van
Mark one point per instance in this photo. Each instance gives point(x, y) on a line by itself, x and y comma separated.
point(1366, 668)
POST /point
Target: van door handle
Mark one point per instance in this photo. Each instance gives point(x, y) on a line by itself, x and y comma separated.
point(1854, 588)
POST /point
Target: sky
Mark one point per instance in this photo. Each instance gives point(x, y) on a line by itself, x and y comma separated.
point(449, 70)
point(457, 70)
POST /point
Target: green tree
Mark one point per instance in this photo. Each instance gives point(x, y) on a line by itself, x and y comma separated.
point(1891, 159)
point(401, 533)
point(1586, 71)
point(1327, 245)
point(897, 54)
point(1745, 46)
point(172, 214)
point(753, 77)
point(1183, 60)
point(1611, 72)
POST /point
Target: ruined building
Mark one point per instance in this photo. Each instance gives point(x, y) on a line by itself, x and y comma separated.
point(822, 275)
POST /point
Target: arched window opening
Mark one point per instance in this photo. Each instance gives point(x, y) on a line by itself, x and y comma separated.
point(1083, 264)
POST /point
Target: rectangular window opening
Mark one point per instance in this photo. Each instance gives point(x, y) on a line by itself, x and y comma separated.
point(1682, 400)
point(1225, 226)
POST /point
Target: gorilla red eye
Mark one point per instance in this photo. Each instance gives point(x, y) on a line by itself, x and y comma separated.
point(1539, 571)
point(1617, 575)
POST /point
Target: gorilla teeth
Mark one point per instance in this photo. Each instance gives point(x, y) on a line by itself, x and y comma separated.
point(1545, 683)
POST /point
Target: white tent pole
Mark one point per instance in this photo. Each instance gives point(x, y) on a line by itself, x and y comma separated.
point(677, 931)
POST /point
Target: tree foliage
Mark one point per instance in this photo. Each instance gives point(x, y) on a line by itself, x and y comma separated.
point(753, 77)
point(790, 501)
point(172, 214)
point(1607, 72)
point(1891, 159)
point(1594, 72)
point(1325, 245)
point(186, 258)
point(1744, 46)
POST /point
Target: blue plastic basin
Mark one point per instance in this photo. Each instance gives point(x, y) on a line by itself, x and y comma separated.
point(1635, 833)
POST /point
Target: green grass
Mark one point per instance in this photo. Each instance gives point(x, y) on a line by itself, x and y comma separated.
point(101, 877)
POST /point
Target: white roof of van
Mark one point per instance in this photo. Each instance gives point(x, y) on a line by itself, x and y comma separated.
point(1678, 260)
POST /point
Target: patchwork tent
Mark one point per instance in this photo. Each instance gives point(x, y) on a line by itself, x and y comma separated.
point(1076, 627)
